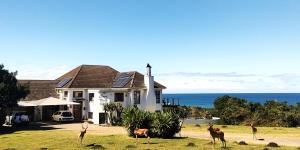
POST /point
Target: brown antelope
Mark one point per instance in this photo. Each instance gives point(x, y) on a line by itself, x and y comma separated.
point(216, 133)
point(254, 131)
point(82, 132)
point(142, 132)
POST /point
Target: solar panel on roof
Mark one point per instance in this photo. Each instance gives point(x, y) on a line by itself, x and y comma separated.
point(63, 82)
point(122, 80)
point(124, 75)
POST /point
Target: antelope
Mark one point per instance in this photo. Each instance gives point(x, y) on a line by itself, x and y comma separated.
point(216, 133)
point(142, 132)
point(82, 132)
point(254, 130)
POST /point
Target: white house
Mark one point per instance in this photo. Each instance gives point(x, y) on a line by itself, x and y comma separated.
point(93, 86)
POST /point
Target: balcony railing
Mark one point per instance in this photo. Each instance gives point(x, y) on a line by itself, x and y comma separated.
point(77, 98)
point(170, 102)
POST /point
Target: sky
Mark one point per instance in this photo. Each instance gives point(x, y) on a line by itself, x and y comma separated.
point(194, 46)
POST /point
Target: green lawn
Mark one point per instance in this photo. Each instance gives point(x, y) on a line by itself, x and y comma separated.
point(53, 139)
point(273, 131)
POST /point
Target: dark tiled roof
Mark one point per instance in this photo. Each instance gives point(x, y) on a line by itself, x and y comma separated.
point(96, 76)
point(40, 89)
point(90, 76)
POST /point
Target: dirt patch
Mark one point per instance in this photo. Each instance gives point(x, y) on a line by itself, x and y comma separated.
point(93, 129)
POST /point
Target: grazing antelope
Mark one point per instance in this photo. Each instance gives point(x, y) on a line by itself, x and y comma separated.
point(82, 132)
point(142, 132)
point(254, 131)
point(216, 133)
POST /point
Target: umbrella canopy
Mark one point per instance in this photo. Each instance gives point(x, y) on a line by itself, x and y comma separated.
point(50, 101)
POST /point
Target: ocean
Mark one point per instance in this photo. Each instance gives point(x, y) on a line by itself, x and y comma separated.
point(206, 100)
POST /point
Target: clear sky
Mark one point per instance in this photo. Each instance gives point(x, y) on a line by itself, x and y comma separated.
point(192, 45)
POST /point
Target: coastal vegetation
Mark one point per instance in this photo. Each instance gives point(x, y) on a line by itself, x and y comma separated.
point(238, 111)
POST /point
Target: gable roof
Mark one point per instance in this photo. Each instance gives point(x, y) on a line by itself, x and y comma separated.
point(97, 76)
point(39, 89)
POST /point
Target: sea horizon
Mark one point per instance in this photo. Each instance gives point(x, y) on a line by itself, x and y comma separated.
point(206, 100)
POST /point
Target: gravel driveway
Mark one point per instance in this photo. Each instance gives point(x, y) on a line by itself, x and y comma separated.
point(92, 128)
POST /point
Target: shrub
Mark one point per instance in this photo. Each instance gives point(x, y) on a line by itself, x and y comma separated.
point(165, 124)
point(233, 110)
point(162, 124)
point(134, 118)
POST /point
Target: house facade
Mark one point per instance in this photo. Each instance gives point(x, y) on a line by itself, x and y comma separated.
point(93, 86)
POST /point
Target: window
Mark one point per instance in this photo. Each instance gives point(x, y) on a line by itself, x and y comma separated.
point(65, 93)
point(90, 115)
point(66, 114)
point(119, 97)
point(91, 96)
point(77, 94)
point(157, 94)
point(137, 97)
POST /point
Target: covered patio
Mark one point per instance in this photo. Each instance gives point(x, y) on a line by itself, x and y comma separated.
point(44, 108)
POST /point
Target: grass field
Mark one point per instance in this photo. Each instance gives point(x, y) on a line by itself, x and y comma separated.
point(67, 140)
point(273, 131)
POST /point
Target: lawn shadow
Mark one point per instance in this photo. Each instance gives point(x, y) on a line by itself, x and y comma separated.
point(95, 146)
point(179, 138)
point(151, 143)
point(34, 126)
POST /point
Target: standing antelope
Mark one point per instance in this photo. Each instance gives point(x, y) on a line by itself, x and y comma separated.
point(216, 133)
point(142, 132)
point(83, 131)
point(254, 130)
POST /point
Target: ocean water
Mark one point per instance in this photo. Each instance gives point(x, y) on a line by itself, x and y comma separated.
point(206, 100)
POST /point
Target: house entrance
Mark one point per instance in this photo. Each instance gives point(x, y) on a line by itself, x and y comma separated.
point(77, 111)
point(102, 118)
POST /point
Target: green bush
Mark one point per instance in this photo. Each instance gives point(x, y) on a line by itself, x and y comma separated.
point(165, 124)
point(161, 124)
point(134, 118)
point(233, 110)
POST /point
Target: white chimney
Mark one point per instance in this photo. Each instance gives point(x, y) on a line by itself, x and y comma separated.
point(150, 94)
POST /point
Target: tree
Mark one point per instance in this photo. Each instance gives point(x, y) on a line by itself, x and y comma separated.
point(110, 108)
point(10, 92)
point(232, 110)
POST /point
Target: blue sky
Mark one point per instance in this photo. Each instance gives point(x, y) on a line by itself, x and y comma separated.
point(193, 45)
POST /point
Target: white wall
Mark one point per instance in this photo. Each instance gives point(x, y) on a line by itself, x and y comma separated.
point(101, 97)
